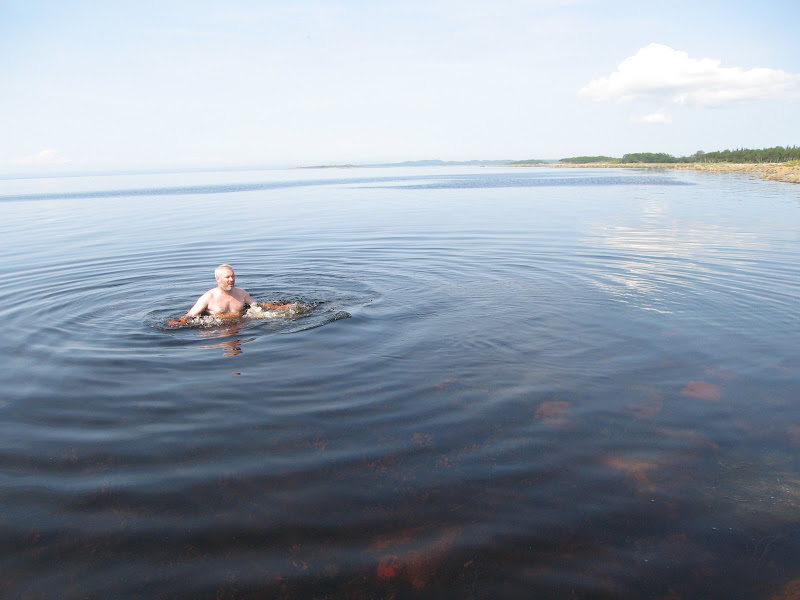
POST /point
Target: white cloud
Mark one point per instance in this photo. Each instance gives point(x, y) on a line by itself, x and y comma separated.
point(660, 116)
point(658, 71)
point(43, 157)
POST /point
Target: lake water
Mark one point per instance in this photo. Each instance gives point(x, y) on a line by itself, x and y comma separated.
point(504, 383)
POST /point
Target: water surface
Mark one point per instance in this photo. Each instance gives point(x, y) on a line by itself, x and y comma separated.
point(504, 383)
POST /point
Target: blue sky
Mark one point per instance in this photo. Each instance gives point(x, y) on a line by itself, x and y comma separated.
point(172, 84)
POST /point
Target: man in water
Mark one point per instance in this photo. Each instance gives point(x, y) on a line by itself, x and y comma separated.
point(225, 300)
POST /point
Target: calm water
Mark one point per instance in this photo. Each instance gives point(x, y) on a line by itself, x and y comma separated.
point(508, 383)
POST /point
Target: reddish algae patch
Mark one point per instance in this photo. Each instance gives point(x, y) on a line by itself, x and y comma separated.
point(388, 567)
point(554, 412)
point(702, 390)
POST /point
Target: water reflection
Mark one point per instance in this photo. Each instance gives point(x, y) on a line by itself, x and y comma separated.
point(230, 347)
point(660, 256)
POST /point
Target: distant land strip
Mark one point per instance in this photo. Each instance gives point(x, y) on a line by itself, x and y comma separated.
point(788, 172)
point(780, 163)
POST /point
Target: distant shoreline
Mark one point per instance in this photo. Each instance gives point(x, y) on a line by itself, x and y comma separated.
point(789, 173)
point(785, 172)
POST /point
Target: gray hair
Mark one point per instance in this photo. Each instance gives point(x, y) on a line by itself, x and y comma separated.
point(219, 268)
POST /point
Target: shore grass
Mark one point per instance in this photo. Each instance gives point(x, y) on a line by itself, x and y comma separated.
point(788, 172)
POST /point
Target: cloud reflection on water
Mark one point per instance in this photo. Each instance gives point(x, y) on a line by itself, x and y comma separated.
point(658, 255)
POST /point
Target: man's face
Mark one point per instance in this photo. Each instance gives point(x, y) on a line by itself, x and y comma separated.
point(225, 279)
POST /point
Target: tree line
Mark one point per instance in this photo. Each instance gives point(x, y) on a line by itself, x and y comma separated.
point(742, 155)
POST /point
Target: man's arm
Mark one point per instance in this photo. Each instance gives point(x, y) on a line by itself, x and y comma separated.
point(268, 305)
point(197, 309)
point(199, 306)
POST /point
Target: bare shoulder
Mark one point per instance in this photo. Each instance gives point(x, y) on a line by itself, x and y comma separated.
point(241, 295)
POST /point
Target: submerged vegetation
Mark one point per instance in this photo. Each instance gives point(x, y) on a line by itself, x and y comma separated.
point(778, 154)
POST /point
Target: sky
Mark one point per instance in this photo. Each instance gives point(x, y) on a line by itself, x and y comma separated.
point(94, 86)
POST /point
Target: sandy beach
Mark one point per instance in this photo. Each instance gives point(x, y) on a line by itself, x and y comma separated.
point(789, 173)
